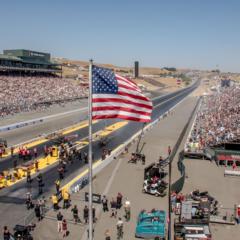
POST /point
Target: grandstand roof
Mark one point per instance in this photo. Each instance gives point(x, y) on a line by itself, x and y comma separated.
point(7, 57)
point(28, 60)
point(21, 55)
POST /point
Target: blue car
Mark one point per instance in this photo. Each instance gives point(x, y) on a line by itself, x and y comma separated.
point(151, 225)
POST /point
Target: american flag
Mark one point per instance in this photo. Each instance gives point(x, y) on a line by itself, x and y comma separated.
point(118, 97)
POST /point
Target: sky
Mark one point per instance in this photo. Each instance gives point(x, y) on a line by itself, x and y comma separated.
point(199, 34)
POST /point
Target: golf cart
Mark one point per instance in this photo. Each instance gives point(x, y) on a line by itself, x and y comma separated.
point(157, 189)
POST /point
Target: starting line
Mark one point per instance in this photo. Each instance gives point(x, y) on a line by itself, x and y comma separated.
point(20, 173)
point(42, 140)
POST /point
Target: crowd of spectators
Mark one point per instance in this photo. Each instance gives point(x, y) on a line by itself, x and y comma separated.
point(21, 94)
point(218, 121)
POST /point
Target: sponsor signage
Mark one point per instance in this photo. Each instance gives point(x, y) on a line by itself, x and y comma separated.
point(226, 157)
point(36, 54)
point(96, 197)
point(179, 81)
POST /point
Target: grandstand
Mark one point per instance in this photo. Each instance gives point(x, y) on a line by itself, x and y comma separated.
point(27, 62)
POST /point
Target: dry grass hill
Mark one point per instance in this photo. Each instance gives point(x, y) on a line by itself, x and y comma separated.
point(150, 78)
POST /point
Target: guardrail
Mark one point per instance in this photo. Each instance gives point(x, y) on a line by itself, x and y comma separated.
point(20, 124)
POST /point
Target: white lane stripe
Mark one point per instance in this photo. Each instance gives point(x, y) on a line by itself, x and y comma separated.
point(124, 113)
point(113, 104)
point(115, 96)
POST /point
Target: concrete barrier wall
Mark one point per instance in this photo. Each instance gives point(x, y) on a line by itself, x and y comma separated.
point(20, 124)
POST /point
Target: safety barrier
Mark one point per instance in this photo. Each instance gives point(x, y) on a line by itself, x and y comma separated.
point(21, 124)
point(232, 173)
point(178, 185)
point(35, 121)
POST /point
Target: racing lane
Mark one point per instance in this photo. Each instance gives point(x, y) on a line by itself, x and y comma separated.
point(13, 198)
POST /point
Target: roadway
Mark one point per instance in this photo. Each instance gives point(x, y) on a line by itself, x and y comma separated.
point(13, 198)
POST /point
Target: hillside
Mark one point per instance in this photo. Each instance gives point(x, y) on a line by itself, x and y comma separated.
point(150, 78)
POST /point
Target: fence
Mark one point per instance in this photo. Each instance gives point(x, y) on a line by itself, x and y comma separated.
point(178, 185)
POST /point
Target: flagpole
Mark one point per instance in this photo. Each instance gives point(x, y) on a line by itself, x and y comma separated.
point(90, 152)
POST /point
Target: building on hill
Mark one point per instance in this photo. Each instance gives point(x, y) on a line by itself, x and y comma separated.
point(27, 62)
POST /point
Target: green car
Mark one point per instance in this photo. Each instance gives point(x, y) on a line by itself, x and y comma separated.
point(151, 225)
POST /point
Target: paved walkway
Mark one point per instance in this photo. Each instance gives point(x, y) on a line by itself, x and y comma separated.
point(126, 178)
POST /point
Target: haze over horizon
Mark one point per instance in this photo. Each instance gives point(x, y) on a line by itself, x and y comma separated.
point(187, 34)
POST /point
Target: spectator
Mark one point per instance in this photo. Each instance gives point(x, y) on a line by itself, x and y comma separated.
point(105, 204)
point(119, 200)
point(38, 212)
point(127, 209)
point(64, 228)
point(24, 94)
point(119, 229)
point(66, 199)
point(40, 183)
point(6, 233)
point(218, 120)
point(75, 214)
point(59, 221)
point(94, 214)
point(36, 165)
point(85, 214)
point(57, 185)
point(107, 235)
point(55, 202)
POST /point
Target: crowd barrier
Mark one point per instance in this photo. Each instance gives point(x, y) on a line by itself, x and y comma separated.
point(232, 173)
point(178, 185)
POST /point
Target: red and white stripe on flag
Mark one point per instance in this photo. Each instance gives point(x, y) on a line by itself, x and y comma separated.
point(127, 103)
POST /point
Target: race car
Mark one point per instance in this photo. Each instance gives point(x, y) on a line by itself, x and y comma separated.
point(156, 189)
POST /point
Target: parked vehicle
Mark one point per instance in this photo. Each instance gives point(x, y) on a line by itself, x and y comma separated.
point(22, 232)
point(3, 144)
point(151, 225)
point(192, 232)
